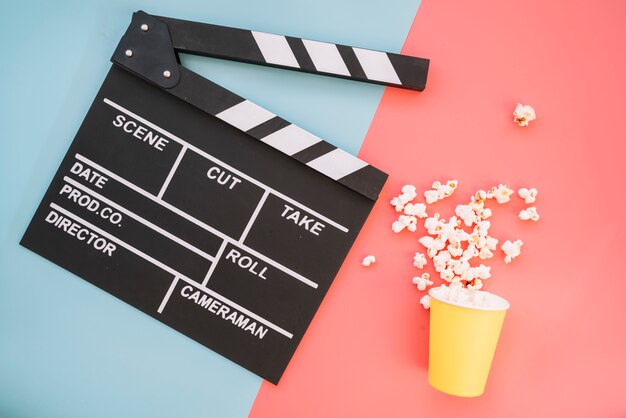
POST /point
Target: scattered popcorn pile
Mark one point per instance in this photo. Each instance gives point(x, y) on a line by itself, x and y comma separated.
point(523, 114)
point(453, 244)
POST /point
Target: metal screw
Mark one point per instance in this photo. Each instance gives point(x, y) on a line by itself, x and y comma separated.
point(167, 74)
point(144, 27)
point(129, 53)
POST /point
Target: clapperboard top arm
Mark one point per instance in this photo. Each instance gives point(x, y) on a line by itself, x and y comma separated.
point(298, 54)
point(150, 48)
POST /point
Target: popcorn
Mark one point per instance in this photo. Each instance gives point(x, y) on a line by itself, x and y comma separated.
point(416, 209)
point(440, 191)
point(529, 214)
point(404, 221)
point(447, 275)
point(455, 285)
point(457, 294)
point(459, 267)
point(502, 194)
point(449, 230)
point(482, 228)
point(368, 260)
point(479, 298)
point(470, 252)
point(440, 261)
point(483, 243)
point(433, 245)
point(419, 260)
point(411, 222)
point(491, 243)
point(479, 197)
point(409, 191)
point(455, 249)
point(511, 250)
point(472, 298)
point(397, 203)
point(422, 281)
point(433, 225)
point(529, 195)
point(476, 284)
point(449, 243)
point(425, 301)
point(481, 272)
point(456, 282)
point(408, 194)
point(431, 252)
point(485, 253)
point(467, 214)
point(397, 226)
point(523, 114)
point(445, 190)
point(431, 196)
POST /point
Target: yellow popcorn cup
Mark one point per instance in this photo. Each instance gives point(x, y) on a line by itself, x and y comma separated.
point(462, 344)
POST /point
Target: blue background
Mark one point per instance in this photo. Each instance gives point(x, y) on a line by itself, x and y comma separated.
point(68, 349)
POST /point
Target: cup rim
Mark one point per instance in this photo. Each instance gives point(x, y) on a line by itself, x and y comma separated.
point(478, 308)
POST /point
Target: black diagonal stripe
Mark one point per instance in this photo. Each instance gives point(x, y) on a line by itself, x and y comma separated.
point(368, 181)
point(412, 71)
point(204, 94)
point(268, 127)
point(301, 54)
point(314, 151)
point(213, 40)
point(353, 64)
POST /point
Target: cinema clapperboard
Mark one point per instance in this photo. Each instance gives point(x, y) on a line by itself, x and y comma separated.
point(202, 209)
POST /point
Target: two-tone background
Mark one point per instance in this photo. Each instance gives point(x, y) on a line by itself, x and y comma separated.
point(68, 349)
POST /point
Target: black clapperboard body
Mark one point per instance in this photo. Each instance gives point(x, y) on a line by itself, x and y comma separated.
point(202, 209)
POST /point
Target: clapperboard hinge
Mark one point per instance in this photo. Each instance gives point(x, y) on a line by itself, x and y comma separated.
point(150, 48)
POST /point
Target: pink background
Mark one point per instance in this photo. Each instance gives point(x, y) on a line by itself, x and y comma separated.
point(561, 352)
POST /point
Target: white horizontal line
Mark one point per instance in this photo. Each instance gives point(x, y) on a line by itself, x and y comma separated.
point(138, 218)
point(170, 270)
point(230, 168)
point(196, 221)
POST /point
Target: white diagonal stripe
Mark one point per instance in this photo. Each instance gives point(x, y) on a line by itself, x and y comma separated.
point(377, 65)
point(291, 139)
point(326, 57)
point(245, 115)
point(275, 49)
point(337, 164)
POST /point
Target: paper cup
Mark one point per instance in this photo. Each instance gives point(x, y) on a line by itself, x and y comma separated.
point(462, 343)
